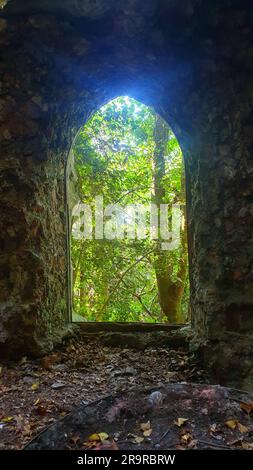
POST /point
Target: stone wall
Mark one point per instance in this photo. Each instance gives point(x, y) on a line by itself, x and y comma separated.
point(192, 61)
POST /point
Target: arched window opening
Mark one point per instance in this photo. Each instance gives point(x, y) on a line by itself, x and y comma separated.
point(126, 205)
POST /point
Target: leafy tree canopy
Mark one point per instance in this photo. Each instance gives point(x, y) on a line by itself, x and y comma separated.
point(116, 280)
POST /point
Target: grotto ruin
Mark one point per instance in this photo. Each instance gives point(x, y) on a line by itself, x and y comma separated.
point(190, 60)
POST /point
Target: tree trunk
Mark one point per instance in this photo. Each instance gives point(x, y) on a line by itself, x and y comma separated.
point(170, 290)
point(81, 289)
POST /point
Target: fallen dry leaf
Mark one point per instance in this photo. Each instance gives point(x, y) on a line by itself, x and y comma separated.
point(3, 3)
point(98, 436)
point(27, 430)
point(138, 439)
point(145, 426)
point(94, 437)
point(231, 423)
point(48, 361)
point(71, 348)
point(242, 428)
point(187, 437)
point(103, 436)
point(180, 422)
point(41, 410)
point(247, 407)
point(89, 444)
point(34, 386)
point(148, 432)
point(247, 446)
point(6, 419)
point(214, 428)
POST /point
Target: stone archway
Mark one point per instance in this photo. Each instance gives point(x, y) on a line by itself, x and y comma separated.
point(98, 297)
point(62, 63)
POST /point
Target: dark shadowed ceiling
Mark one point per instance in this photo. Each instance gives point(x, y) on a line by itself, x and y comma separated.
point(85, 8)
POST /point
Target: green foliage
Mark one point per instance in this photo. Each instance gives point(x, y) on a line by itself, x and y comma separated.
point(115, 280)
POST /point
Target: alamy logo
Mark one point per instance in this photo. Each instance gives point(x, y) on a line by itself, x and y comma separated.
point(134, 221)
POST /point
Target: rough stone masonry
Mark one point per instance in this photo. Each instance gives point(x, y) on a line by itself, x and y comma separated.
point(193, 62)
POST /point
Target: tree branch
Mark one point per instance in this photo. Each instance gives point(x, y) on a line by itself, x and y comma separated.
point(122, 277)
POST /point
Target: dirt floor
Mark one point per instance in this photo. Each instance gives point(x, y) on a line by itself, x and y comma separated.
point(36, 393)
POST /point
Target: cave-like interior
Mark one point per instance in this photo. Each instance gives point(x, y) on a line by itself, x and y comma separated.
point(190, 60)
